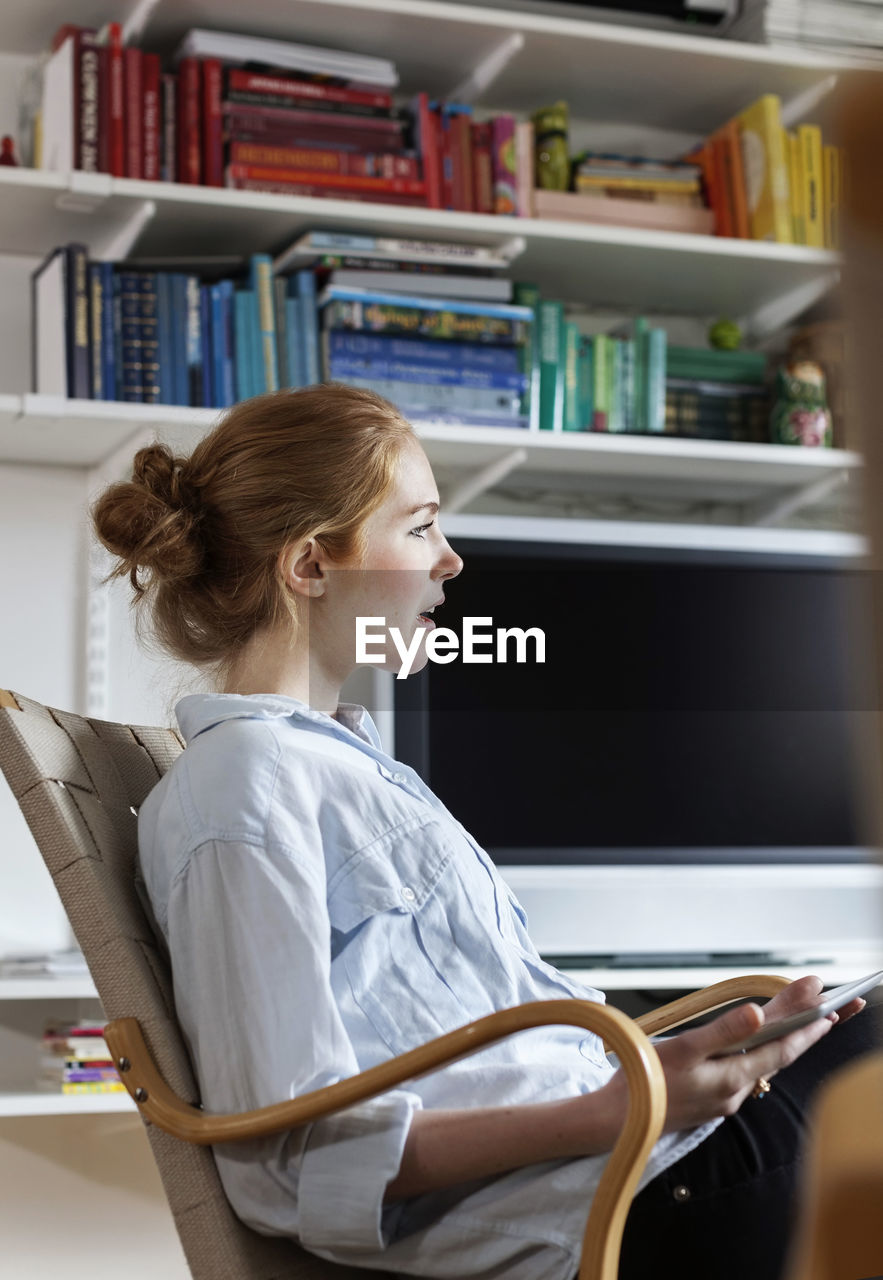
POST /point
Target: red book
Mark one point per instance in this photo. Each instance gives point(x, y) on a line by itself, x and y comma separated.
point(84, 116)
point(189, 140)
point(482, 167)
point(353, 182)
point(112, 101)
point(296, 117)
point(464, 192)
point(427, 141)
point(151, 114)
point(240, 81)
point(270, 133)
point(383, 165)
point(212, 124)
point(134, 122)
point(321, 189)
point(168, 147)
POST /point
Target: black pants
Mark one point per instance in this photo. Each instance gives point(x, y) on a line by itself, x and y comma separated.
point(727, 1209)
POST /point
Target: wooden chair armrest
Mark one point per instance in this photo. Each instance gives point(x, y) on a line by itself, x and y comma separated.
point(610, 1204)
point(674, 1014)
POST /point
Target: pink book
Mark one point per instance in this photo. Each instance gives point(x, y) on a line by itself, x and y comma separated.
point(569, 206)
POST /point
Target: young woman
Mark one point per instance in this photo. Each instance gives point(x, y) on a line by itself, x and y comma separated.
point(324, 911)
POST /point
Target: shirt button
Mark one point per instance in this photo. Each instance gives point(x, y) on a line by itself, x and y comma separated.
point(408, 893)
point(399, 777)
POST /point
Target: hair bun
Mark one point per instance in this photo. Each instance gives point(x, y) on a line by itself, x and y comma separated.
point(152, 521)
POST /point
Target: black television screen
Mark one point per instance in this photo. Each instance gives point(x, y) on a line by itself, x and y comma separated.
point(692, 706)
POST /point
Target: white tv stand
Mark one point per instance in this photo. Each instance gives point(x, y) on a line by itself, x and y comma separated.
point(824, 919)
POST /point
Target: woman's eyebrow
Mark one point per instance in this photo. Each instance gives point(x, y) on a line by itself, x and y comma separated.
point(425, 506)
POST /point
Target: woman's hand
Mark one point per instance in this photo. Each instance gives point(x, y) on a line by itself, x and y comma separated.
point(702, 1086)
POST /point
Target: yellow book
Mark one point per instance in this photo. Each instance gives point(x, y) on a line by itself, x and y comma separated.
point(831, 187)
point(795, 184)
point(589, 182)
point(767, 188)
point(810, 138)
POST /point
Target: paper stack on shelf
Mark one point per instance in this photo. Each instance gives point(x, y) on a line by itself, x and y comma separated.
point(848, 27)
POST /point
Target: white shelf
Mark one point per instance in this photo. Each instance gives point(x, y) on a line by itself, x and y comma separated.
point(59, 1104)
point(79, 988)
point(48, 430)
point(761, 284)
point(685, 979)
point(697, 81)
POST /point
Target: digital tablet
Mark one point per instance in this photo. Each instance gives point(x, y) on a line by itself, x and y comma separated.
point(830, 1002)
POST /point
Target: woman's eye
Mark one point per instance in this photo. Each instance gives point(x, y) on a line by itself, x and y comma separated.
point(420, 529)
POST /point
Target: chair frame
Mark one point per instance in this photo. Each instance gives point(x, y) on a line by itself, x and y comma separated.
point(159, 1105)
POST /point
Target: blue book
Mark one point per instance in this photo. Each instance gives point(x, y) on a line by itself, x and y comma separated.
point(467, 355)
point(166, 350)
point(195, 344)
point(261, 278)
point(117, 321)
point(207, 391)
point(102, 330)
point(180, 386)
point(131, 378)
point(149, 321)
point(243, 324)
point(340, 367)
point(306, 292)
point(222, 343)
point(294, 344)
point(280, 294)
point(503, 311)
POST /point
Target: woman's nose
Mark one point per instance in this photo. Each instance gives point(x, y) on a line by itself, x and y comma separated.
point(451, 563)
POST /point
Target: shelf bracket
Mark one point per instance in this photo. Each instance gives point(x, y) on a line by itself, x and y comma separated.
point(133, 27)
point(482, 480)
point(779, 313)
point(769, 511)
point(482, 76)
point(804, 104)
point(119, 243)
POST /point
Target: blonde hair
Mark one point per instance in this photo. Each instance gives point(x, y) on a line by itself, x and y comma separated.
point(200, 537)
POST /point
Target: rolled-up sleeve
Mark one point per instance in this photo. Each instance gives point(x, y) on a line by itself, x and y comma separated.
point(249, 937)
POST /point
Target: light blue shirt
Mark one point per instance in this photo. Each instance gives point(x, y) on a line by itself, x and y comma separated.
point(323, 912)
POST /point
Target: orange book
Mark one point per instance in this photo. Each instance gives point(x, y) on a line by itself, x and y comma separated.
point(732, 140)
point(724, 221)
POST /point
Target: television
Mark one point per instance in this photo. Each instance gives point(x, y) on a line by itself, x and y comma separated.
point(704, 697)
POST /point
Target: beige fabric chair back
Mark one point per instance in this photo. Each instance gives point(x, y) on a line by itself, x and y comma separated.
point(79, 784)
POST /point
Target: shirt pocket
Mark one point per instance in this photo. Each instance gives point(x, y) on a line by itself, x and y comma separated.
point(391, 910)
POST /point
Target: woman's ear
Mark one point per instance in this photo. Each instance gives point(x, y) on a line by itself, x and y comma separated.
point(303, 568)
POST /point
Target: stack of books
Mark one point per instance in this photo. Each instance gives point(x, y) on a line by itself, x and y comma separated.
point(850, 27)
point(199, 337)
point(75, 1059)
point(265, 115)
point(794, 194)
point(438, 359)
point(717, 395)
point(638, 178)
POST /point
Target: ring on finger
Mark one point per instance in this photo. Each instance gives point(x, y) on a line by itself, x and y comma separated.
point(762, 1088)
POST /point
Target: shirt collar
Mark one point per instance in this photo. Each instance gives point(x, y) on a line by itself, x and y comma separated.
point(200, 711)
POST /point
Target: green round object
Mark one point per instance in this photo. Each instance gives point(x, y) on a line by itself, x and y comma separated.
point(725, 335)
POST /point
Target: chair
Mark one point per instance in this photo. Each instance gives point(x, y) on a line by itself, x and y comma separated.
point(79, 783)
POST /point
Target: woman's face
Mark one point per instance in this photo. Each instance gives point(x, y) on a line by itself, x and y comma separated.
point(406, 561)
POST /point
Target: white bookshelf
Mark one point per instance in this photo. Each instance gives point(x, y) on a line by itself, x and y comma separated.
point(763, 285)
point(628, 81)
point(52, 1104)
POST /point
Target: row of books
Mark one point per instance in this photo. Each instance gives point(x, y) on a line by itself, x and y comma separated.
point(766, 182)
point(431, 325)
point(265, 115)
point(75, 1059)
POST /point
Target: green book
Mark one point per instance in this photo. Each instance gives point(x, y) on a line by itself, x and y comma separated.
point(585, 373)
point(551, 317)
point(656, 360)
point(573, 420)
point(642, 328)
point(600, 386)
point(614, 381)
point(528, 295)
